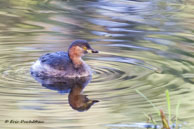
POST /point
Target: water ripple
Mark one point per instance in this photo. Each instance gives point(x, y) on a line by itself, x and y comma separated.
point(144, 45)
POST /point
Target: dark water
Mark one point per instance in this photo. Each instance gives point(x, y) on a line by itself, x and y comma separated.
point(144, 44)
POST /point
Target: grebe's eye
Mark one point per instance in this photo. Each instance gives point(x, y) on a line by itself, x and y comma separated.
point(85, 48)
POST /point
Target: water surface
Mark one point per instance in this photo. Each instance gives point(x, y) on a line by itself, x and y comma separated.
point(144, 44)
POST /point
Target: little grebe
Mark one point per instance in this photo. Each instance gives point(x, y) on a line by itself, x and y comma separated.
point(64, 64)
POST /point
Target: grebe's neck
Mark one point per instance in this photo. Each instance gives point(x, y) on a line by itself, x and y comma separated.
point(75, 57)
point(77, 61)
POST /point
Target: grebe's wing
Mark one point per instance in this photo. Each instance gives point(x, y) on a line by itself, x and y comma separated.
point(56, 60)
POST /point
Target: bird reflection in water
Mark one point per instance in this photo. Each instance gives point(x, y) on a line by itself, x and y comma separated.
point(73, 86)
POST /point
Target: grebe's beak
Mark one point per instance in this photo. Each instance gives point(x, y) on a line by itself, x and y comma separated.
point(89, 50)
point(92, 51)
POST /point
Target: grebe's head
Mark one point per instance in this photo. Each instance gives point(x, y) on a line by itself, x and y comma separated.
point(79, 48)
